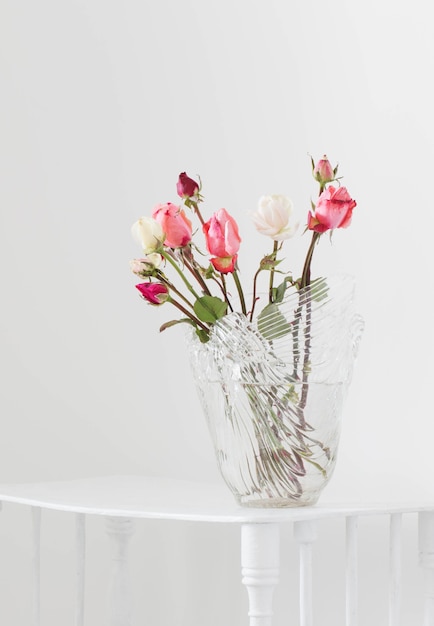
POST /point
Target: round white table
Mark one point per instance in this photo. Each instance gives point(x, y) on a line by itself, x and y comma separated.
point(121, 499)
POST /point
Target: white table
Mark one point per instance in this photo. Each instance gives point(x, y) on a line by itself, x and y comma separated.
point(121, 499)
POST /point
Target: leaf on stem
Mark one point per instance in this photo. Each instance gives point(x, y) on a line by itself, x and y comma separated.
point(272, 324)
point(279, 292)
point(174, 322)
point(209, 309)
point(209, 272)
point(203, 336)
point(269, 262)
point(318, 289)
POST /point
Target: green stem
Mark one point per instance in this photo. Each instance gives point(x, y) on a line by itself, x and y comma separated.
point(224, 287)
point(188, 314)
point(270, 289)
point(174, 264)
point(240, 292)
point(197, 211)
point(255, 278)
point(196, 274)
point(172, 287)
point(305, 277)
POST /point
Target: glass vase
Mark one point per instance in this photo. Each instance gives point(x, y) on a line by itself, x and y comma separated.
point(273, 388)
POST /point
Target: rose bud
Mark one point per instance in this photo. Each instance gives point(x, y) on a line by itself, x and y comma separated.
point(273, 217)
point(222, 240)
point(323, 171)
point(175, 224)
point(154, 293)
point(333, 209)
point(186, 187)
point(147, 265)
point(148, 233)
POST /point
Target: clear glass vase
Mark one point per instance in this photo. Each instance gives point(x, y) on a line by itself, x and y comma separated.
point(273, 389)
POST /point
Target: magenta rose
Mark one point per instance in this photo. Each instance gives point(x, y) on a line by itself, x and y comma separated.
point(175, 224)
point(333, 209)
point(154, 293)
point(222, 240)
point(186, 187)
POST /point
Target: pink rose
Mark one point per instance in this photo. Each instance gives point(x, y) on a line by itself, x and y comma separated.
point(186, 187)
point(154, 293)
point(176, 226)
point(222, 240)
point(224, 265)
point(333, 209)
point(323, 171)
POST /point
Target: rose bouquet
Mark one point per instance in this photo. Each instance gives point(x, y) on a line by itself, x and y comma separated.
point(179, 272)
point(271, 368)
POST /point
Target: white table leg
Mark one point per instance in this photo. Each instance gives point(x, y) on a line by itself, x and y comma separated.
point(352, 579)
point(305, 534)
point(120, 529)
point(36, 561)
point(80, 550)
point(426, 561)
point(395, 566)
point(260, 569)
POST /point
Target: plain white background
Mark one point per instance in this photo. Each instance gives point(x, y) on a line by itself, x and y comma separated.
point(102, 104)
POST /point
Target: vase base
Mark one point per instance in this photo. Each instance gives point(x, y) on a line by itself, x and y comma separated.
point(276, 503)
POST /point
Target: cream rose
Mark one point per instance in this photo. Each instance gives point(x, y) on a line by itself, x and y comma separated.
point(149, 234)
point(273, 217)
point(147, 265)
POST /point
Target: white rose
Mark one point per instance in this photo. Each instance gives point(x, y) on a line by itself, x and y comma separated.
point(148, 233)
point(146, 266)
point(153, 259)
point(273, 216)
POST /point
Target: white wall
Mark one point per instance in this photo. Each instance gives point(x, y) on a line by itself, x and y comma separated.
point(102, 104)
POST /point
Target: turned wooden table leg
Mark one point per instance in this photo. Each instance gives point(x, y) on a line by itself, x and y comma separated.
point(395, 568)
point(36, 560)
point(426, 561)
point(305, 534)
point(120, 529)
point(352, 575)
point(260, 569)
point(80, 552)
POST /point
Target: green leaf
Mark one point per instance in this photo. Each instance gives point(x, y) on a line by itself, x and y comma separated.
point(202, 334)
point(210, 309)
point(291, 395)
point(209, 272)
point(318, 289)
point(279, 292)
point(174, 322)
point(269, 262)
point(272, 324)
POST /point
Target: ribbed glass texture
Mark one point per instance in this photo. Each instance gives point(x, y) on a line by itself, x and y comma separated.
point(273, 390)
